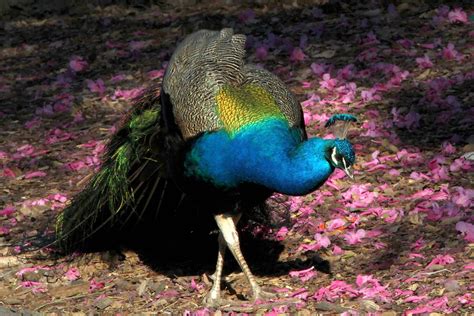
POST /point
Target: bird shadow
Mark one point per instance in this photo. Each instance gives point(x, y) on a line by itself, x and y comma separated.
point(183, 252)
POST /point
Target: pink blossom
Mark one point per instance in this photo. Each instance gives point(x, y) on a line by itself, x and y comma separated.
point(373, 129)
point(306, 84)
point(405, 43)
point(78, 117)
point(57, 135)
point(463, 197)
point(370, 287)
point(196, 286)
point(394, 172)
point(4, 230)
point(311, 101)
point(36, 287)
point(415, 299)
point(33, 123)
point(347, 93)
point(281, 234)
point(335, 290)
point(346, 73)
point(8, 173)
point(301, 294)
point(370, 95)
point(441, 260)
point(450, 53)
point(138, 45)
point(322, 241)
point(359, 196)
point(438, 171)
point(303, 275)
point(460, 164)
point(337, 251)
point(409, 121)
point(297, 55)
point(200, 312)
point(469, 266)
point(95, 285)
point(7, 210)
point(167, 294)
point(335, 224)
point(362, 279)
point(418, 244)
point(77, 64)
point(448, 148)
point(155, 74)
point(466, 299)
point(97, 86)
point(353, 238)
point(419, 176)
point(127, 94)
point(35, 174)
point(424, 62)
point(415, 255)
point(58, 197)
point(117, 78)
point(328, 83)
point(318, 69)
point(467, 230)
point(72, 274)
point(22, 271)
point(75, 166)
point(422, 194)
point(368, 55)
point(458, 15)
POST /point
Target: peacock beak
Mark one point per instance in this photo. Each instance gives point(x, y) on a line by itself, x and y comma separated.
point(348, 171)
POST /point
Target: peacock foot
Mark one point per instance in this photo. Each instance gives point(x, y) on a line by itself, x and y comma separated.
point(261, 295)
point(212, 299)
point(215, 301)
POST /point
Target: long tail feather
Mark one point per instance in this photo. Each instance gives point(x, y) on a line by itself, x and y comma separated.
point(131, 170)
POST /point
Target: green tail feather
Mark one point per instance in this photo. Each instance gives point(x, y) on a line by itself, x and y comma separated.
point(109, 194)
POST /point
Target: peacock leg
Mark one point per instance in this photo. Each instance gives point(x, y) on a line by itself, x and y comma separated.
point(213, 299)
point(227, 226)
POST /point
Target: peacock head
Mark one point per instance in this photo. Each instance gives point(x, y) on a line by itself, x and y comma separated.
point(340, 153)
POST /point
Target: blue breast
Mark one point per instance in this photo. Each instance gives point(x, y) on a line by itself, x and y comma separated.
point(269, 153)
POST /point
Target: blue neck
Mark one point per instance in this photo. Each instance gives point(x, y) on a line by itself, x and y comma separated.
point(267, 153)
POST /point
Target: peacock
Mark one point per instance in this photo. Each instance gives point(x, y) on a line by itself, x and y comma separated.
point(218, 132)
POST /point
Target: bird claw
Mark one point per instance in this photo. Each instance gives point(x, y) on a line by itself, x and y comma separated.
point(216, 301)
point(261, 295)
point(210, 301)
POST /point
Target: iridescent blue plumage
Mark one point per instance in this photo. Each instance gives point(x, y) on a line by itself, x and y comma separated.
point(341, 117)
point(345, 149)
point(268, 154)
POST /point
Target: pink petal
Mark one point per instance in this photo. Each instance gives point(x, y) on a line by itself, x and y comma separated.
point(303, 275)
point(35, 174)
point(7, 211)
point(72, 274)
point(281, 234)
point(77, 64)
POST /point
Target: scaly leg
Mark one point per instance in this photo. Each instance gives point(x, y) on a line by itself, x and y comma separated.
point(213, 299)
point(227, 226)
